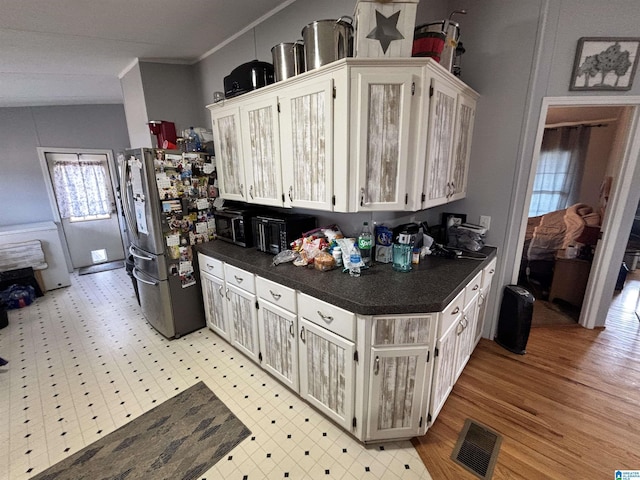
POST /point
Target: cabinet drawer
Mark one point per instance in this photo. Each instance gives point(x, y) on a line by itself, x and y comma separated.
point(277, 294)
point(328, 316)
point(211, 265)
point(240, 278)
point(402, 330)
point(451, 313)
point(472, 289)
point(487, 273)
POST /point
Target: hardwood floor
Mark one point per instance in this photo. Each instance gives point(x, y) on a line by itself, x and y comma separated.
point(569, 408)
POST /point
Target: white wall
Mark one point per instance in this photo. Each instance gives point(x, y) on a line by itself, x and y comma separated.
point(136, 109)
point(22, 190)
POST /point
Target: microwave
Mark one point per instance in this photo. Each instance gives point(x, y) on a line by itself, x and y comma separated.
point(273, 234)
point(234, 226)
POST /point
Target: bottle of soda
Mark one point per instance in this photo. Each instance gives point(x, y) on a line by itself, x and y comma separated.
point(365, 244)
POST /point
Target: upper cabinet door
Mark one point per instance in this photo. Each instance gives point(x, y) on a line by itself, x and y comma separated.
point(306, 126)
point(261, 147)
point(462, 146)
point(229, 161)
point(442, 114)
point(381, 110)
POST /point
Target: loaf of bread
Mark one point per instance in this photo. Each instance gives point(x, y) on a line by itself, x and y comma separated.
point(324, 261)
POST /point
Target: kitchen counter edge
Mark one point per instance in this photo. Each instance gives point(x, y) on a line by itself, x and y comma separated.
point(380, 290)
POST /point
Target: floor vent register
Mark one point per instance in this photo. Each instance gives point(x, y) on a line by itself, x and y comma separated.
point(477, 449)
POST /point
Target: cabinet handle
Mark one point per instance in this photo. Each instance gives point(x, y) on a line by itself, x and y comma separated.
point(251, 192)
point(361, 197)
point(453, 188)
point(220, 291)
point(242, 190)
point(210, 267)
point(326, 318)
point(460, 328)
point(291, 193)
point(238, 279)
point(475, 287)
point(376, 368)
point(481, 300)
point(302, 335)
point(291, 329)
point(227, 294)
point(492, 271)
point(456, 311)
point(275, 295)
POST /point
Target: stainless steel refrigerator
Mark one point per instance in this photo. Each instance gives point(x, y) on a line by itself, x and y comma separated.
point(166, 199)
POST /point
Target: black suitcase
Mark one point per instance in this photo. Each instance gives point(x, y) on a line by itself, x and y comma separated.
point(514, 322)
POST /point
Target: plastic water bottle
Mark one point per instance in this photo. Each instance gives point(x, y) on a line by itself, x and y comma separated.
point(365, 244)
point(354, 261)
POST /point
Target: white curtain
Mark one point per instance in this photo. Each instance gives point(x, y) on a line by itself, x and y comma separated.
point(81, 188)
point(562, 158)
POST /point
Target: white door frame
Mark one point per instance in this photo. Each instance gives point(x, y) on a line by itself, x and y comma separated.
point(623, 196)
point(42, 151)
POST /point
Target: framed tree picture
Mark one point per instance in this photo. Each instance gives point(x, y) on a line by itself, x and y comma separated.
point(605, 63)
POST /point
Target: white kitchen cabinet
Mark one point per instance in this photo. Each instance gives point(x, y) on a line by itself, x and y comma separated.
point(384, 109)
point(243, 314)
point(451, 120)
point(214, 295)
point(229, 155)
point(356, 135)
point(259, 124)
point(465, 116)
point(306, 126)
point(327, 372)
point(465, 333)
point(487, 277)
point(399, 369)
point(443, 371)
point(326, 354)
point(278, 327)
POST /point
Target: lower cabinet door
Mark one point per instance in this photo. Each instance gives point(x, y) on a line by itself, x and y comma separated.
point(327, 372)
point(278, 343)
point(465, 339)
point(243, 321)
point(213, 294)
point(396, 381)
point(443, 370)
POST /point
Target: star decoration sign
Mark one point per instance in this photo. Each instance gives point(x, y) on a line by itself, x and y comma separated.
point(386, 30)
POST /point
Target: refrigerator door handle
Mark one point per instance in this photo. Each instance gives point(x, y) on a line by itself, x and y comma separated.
point(142, 279)
point(135, 254)
point(124, 189)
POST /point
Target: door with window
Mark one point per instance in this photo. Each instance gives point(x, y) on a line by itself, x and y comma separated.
point(84, 198)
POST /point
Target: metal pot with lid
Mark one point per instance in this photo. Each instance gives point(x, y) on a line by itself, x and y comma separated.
point(288, 60)
point(326, 41)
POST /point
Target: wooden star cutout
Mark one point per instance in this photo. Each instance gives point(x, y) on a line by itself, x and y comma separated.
point(386, 30)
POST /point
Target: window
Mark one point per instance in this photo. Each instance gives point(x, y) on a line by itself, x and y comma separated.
point(81, 187)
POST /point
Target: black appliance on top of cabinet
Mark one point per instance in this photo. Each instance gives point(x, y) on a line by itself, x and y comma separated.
point(247, 77)
point(274, 233)
point(514, 322)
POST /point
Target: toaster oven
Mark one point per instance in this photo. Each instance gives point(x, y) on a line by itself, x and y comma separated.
point(272, 234)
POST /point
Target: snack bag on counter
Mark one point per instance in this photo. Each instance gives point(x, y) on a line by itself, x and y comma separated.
point(384, 241)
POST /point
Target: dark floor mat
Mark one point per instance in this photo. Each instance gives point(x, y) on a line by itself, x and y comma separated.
point(102, 267)
point(477, 449)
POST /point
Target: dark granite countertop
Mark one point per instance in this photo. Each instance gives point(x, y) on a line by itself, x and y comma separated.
point(380, 290)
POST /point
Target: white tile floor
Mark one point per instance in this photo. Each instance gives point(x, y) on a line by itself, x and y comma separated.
point(83, 362)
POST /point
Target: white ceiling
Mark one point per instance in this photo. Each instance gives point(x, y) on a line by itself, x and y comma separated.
point(65, 52)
